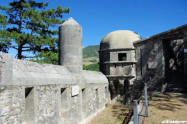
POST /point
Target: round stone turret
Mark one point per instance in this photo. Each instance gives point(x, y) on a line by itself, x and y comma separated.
point(70, 45)
point(119, 39)
point(117, 62)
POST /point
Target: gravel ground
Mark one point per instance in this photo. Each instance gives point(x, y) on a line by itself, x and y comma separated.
point(169, 106)
point(112, 114)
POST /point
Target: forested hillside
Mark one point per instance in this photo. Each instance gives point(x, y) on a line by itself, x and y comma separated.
point(90, 51)
point(91, 58)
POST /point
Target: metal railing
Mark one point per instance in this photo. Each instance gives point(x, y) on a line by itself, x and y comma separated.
point(136, 106)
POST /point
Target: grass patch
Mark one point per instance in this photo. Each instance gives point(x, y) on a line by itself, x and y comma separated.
point(91, 67)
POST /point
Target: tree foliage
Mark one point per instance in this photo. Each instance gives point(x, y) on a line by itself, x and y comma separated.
point(29, 27)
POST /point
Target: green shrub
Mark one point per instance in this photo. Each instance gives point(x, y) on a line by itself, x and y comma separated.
point(91, 67)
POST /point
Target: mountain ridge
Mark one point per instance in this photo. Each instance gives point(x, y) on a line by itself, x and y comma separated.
point(91, 51)
point(91, 58)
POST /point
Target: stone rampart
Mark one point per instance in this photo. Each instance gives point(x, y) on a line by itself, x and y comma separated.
point(32, 93)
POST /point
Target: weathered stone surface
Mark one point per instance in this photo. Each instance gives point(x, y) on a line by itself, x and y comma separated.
point(11, 105)
point(47, 101)
point(70, 44)
point(31, 73)
point(119, 39)
point(160, 60)
point(92, 102)
point(32, 93)
point(6, 65)
point(93, 77)
point(117, 61)
point(65, 105)
point(29, 109)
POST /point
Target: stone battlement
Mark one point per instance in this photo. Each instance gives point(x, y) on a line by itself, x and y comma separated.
point(32, 93)
point(43, 93)
point(19, 72)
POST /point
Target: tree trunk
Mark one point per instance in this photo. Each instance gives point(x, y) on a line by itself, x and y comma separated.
point(20, 52)
point(20, 47)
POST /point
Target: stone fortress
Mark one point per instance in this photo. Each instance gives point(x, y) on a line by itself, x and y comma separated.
point(129, 61)
point(32, 93)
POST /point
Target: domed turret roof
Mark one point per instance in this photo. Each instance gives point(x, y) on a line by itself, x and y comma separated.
point(119, 39)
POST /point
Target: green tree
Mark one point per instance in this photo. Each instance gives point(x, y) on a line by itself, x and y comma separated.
point(30, 28)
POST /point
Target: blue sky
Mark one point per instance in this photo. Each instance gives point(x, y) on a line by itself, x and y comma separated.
point(100, 17)
point(146, 17)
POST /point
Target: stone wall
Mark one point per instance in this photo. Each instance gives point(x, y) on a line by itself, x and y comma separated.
point(119, 67)
point(11, 104)
point(37, 94)
point(185, 60)
point(160, 60)
point(150, 62)
point(104, 56)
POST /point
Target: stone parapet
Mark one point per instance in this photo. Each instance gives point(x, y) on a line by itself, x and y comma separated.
point(32, 93)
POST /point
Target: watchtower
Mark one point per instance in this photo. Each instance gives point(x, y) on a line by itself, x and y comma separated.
point(117, 62)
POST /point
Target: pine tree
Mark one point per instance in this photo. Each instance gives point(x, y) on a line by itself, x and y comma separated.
point(29, 27)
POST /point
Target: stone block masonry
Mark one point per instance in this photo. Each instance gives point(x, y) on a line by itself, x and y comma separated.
point(32, 93)
point(11, 104)
point(160, 60)
point(43, 94)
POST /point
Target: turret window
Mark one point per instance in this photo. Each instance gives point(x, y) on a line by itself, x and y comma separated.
point(122, 56)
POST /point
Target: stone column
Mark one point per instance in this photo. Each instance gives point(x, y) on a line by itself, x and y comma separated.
point(70, 45)
point(70, 56)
